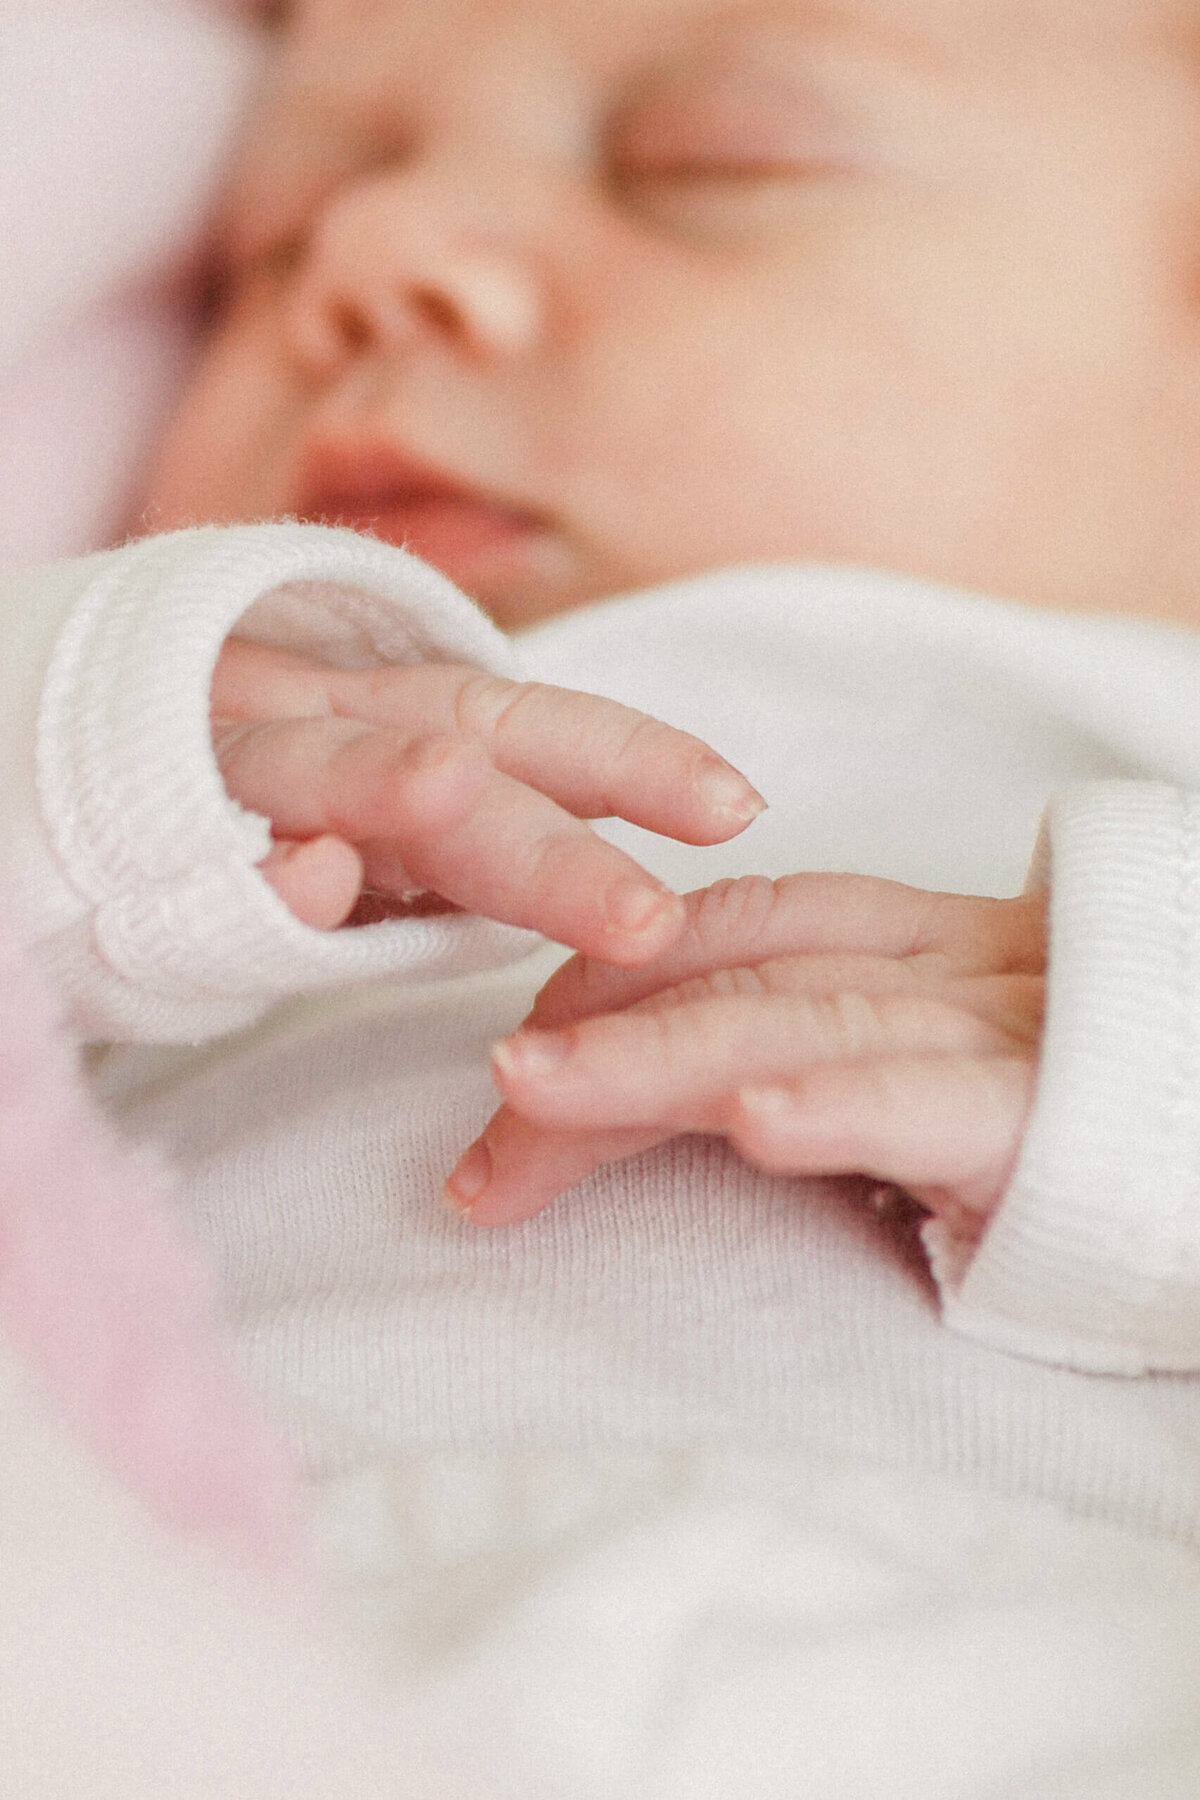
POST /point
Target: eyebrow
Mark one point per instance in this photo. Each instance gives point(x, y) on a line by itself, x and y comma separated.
point(715, 50)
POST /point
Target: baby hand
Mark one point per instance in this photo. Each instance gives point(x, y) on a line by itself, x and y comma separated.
point(823, 1024)
point(438, 779)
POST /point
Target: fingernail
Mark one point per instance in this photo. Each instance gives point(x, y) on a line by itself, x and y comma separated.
point(468, 1178)
point(727, 791)
point(531, 1052)
point(633, 906)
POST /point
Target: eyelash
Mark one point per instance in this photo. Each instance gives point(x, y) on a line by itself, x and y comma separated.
point(700, 171)
point(712, 199)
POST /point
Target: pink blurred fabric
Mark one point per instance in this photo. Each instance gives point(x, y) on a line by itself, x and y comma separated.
point(107, 1298)
point(116, 118)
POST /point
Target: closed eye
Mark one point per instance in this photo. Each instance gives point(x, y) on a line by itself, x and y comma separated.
point(722, 198)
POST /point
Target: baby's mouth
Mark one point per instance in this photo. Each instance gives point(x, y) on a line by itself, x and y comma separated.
point(471, 536)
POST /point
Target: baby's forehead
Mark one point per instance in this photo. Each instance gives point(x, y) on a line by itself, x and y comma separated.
point(422, 54)
point(369, 60)
point(899, 25)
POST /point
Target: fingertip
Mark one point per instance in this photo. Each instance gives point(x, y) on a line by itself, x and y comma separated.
point(466, 1182)
point(526, 1055)
point(318, 879)
point(473, 1191)
point(729, 799)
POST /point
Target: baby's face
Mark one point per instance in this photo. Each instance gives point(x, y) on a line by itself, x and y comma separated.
point(576, 295)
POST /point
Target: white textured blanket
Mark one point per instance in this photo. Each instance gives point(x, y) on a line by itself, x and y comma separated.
point(666, 1627)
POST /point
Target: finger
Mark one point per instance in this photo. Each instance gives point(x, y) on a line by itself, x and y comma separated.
point(593, 756)
point(316, 775)
point(947, 1128)
point(1013, 1004)
point(677, 1066)
point(435, 815)
point(517, 857)
point(753, 919)
point(515, 1168)
point(253, 682)
point(318, 881)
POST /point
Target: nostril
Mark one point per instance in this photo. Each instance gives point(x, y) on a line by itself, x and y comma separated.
point(437, 312)
point(325, 332)
point(347, 325)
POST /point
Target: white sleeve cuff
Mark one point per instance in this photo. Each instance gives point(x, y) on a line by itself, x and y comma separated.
point(1093, 1259)
point(170, 933)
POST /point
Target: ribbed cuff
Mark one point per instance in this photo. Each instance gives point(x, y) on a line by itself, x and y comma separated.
point(179, 935)
point(1093, 1258)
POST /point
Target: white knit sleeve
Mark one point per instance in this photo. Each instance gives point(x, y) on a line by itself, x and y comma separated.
point(1093, 1259)
point(130, 871)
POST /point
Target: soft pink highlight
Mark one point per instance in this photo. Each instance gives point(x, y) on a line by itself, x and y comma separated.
point(112, 1305)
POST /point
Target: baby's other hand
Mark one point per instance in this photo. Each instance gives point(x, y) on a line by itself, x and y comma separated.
point(823, 1024)
point(438, 780)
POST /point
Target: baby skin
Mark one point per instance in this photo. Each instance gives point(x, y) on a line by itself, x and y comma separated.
point(574, 299)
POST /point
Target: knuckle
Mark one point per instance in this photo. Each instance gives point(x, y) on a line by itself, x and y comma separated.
point(552, 867)
point(853, 1021)
point(632, 751)
point(673, 1029)
point(586, 986)
point(738, 908)
point(638, 730)
point(667, 1026)
point(487, 705)
point(859, 1025)
point(405, 783)
point(743, 981)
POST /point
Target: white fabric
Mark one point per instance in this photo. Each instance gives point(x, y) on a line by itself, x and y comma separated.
point(126, 862)
point(1095, 1258)
point(681, 1297)
point(570, 1628)
point(684, 1295)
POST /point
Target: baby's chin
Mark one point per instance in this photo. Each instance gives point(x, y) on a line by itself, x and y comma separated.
point(549, 584)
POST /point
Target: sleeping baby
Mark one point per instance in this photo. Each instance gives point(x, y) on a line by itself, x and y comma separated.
point(822, 381)
point(569, 311)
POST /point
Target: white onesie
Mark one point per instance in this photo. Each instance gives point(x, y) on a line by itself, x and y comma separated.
point(680, 1300)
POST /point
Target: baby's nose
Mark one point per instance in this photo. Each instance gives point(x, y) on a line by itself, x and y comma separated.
point(385, 267)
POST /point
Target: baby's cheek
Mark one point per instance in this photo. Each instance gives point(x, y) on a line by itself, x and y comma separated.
point(220, 458)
